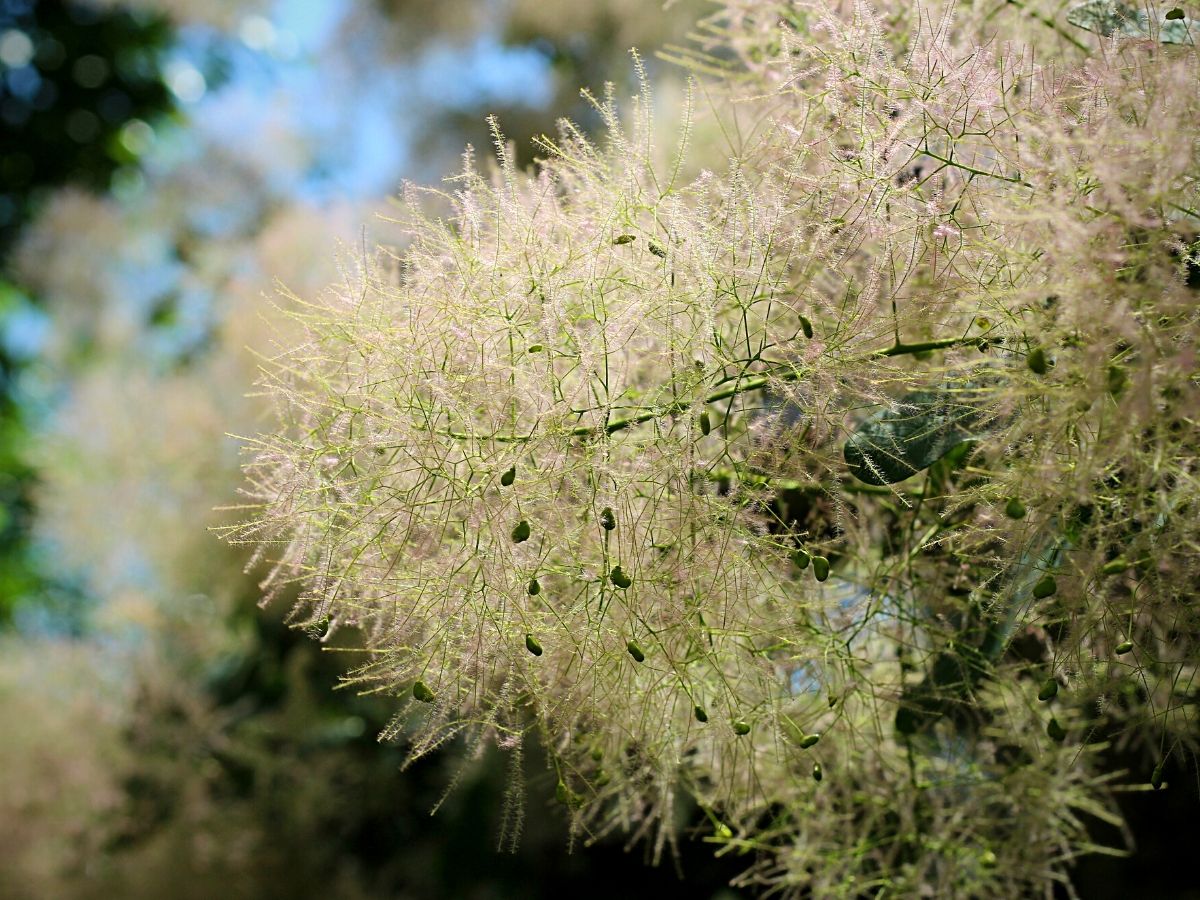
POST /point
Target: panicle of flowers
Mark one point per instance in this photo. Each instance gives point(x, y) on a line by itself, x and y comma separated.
point(615, 459)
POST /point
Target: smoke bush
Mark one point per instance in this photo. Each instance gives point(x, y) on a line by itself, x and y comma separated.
point(791, 486)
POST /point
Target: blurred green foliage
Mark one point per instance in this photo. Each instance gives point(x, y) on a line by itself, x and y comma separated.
point(73, 78)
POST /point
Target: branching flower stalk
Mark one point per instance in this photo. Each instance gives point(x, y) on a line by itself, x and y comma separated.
point(823, 464)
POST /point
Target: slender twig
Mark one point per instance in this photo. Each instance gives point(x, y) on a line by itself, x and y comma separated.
point(749, 385)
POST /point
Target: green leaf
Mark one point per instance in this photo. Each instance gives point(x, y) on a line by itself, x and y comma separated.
point(897, 443)
point(1108, 17)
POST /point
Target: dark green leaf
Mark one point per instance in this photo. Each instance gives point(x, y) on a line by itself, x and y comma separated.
point(897, 443)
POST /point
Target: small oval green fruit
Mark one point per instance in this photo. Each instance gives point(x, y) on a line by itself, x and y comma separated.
point(562, 793)
point(817, 773)
point(635, 651)
point(1036, 360)
point(657, 250)
point(723, 831)
point(534, 587)
point(801, 559)
point(521, 533)
point(1114, 567)
point(1156, 777)
point(1049, 690)
point(820, 568)
point(1055, 731)
point(806, 327)
point(809, 740)
point(532, 645)
point(597, 754)
point(619, 579)
point(1124, 647)
point(624, 239)
point(608, 520)
point(509, 476)
point(741, 728)
point(421, 691)
point(705, 423)
point(1045, 587)
point(701, 715)
point(1174, 14)
point(988, 860)
point(1015, 509)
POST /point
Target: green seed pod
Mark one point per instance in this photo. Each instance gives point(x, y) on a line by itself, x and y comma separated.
point(820, 568)
point(1046, 587)
point(608, 521)
point(806, 327)
point(1015, 509)
point(635, 651)
point(421, 691)
point(1123, 647)
point(1055, 731)
point(809, 740)
point(741, 728)
point(701, 715)
point(562, 793)
point(508, 477)
point(618, 577)
point(705, 423)
point(1156, 780)
point(624, 239)
point(532, 645)
point(520, 534)
point(1049, 690)
point(1114, 567)
point(801, 559)
point(1036, 360)
point(657, 250)
point(534, 587)
point(817, 773)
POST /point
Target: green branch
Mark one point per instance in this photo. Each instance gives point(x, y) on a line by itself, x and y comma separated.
point(749, 385)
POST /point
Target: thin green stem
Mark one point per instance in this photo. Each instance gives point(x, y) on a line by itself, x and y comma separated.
point(749, 385)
